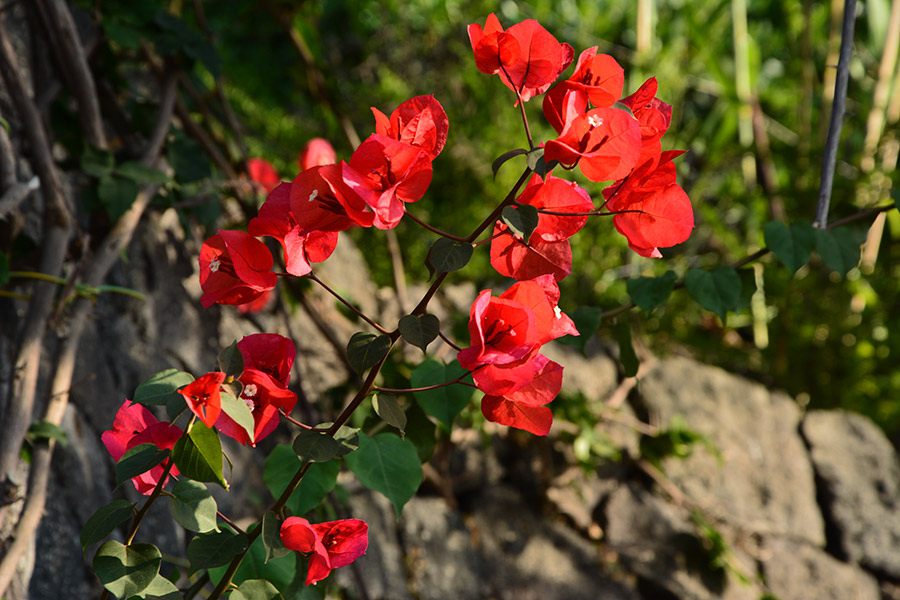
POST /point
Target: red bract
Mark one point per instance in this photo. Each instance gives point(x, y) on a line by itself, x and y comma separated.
point(527, 57)
point(331, 545)
point(135, 425)
point(598, 76)
point(235, 268)
point(323, 199)
point(512, 257)
point(270, 353)
point(420, 122)
point(301, 246)
point(654, 211)
point(393, 173)
point(562, 105)
point(204, 398)
point(263, 396)
point(316, 152)
point(263, 173)
point(256, 306)
point(653, 115)
point(604, 142)
point(524, 408)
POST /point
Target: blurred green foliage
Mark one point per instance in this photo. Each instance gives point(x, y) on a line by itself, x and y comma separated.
point(825, 339)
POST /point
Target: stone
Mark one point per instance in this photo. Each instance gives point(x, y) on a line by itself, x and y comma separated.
point(859, 473)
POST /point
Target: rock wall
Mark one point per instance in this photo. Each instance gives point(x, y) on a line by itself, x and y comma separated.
point(774, 501)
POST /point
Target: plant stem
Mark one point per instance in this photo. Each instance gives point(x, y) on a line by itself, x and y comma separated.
point(448, 342)
point(37, 275)
point(422, 389)
point(292, 420)
point(450, 236)
point(359, 313)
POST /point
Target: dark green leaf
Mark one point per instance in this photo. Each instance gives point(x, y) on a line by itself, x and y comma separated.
point(387, 407)
point(159, 388)
point(231, 361)
point(96, 162)
point(500, 160)
point(193, 506)
point(442, 403)
point(521, 220)
point(4, 268)
point(420, 431)
point(175, 405)
point(347, 438)
point(628, 358)
point(389, 465)
point(587, 319)
point(105, 520)
point(792, 245)
point(315, 446)
point(122, 34)
point(198, 454)
point(256, 589)
point(45, 430)
point(839, 249)
point(239, 413)
point(748, 288)
point(278, 571)
point(419, 330)
point(650, 292)
point(161, 589)
point(718, 290)
point(366, 350)
point(537, 163)
point(188, 160)
point(137, 460)
point(126, 570)
point(204, 52)
point(117, 195)
point(446, 256)
point(141, 173)
point(214, 548)
point(271, 536)
point(281, 466)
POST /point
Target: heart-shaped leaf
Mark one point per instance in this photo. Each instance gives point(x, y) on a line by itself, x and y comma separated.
point(419, 330)
point(316, 446)
point(192, 506)
point(389, 465)
point(126, 570)
point(627, 357)
point(442, 403)
point(137, 460)
point(239, 413)
point(366, 350)
point(791, 244)
point(839, 249)
point(718, 290)
point(650, 292)
point(521, 220)
point(387, 407)
point(446, 256)
point(256, 589)
point(214, 548)
point(105, 520)
point(271, 536)
point(159, 388)
point(231, 361)
point(198, 454)
point(500, 160)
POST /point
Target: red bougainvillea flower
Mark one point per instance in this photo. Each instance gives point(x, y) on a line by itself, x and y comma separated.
point(420, 122)
point(262, 172)
point(526, 56)
point(316, 152)
point(654, 212)
point(270, 353)
point(256, 306)
point(204, 398)
point(323, 199)
point(263, 396)
point(525, 407)
point(547, 251)
point(604, 142)
point(235, 268)
point(330, 545)
point(562, 104)
point(393, 173)
point(301, 246)
point(653, 115)
point(135, 425)
point(598, 76)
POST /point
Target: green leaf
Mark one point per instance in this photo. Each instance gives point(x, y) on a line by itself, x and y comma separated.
point(628, 358)
point(366, 350)
point(500, 160)
point(419, 330)
point(126, 570)
point(281, 466)
point(389, 465)
point(748, 288)
point(271, 536)
point(104, 520)
point(446, 256)
point(159, 388)
point(204, 52)
point(521, 220)
point(442, 403)
point(537, 163)
point(45, 431)
point(4, 268)
point(792, 245)
point(161, 589)
point(214, 548)
point(587, 319)
point(240, 413)
point(141, 173)
point(96, 162)
point(839, 249)
point(347, 438)
point(315, 446)
point(188, 160)
point(117, 195)
point(718, 290)
point(231, 361)
point(175, 405)
point(137, 460)
point(420, 431)
point(387, 407)
point(650, 292)
point(198, 454)
point(256, 589)
point(192, 506)
point(278, 571)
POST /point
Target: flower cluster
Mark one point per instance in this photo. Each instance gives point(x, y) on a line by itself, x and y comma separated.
point(330, 545)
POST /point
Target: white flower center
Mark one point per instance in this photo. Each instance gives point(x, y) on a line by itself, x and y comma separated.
point(557, 312)
point(250, 390)
point(595, 121)
point(214, 265)
point(250, 403)
point(313, 194)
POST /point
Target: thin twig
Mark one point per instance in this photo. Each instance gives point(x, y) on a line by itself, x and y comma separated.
point(432, 229)
point(829, 159)
point(359, 313)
